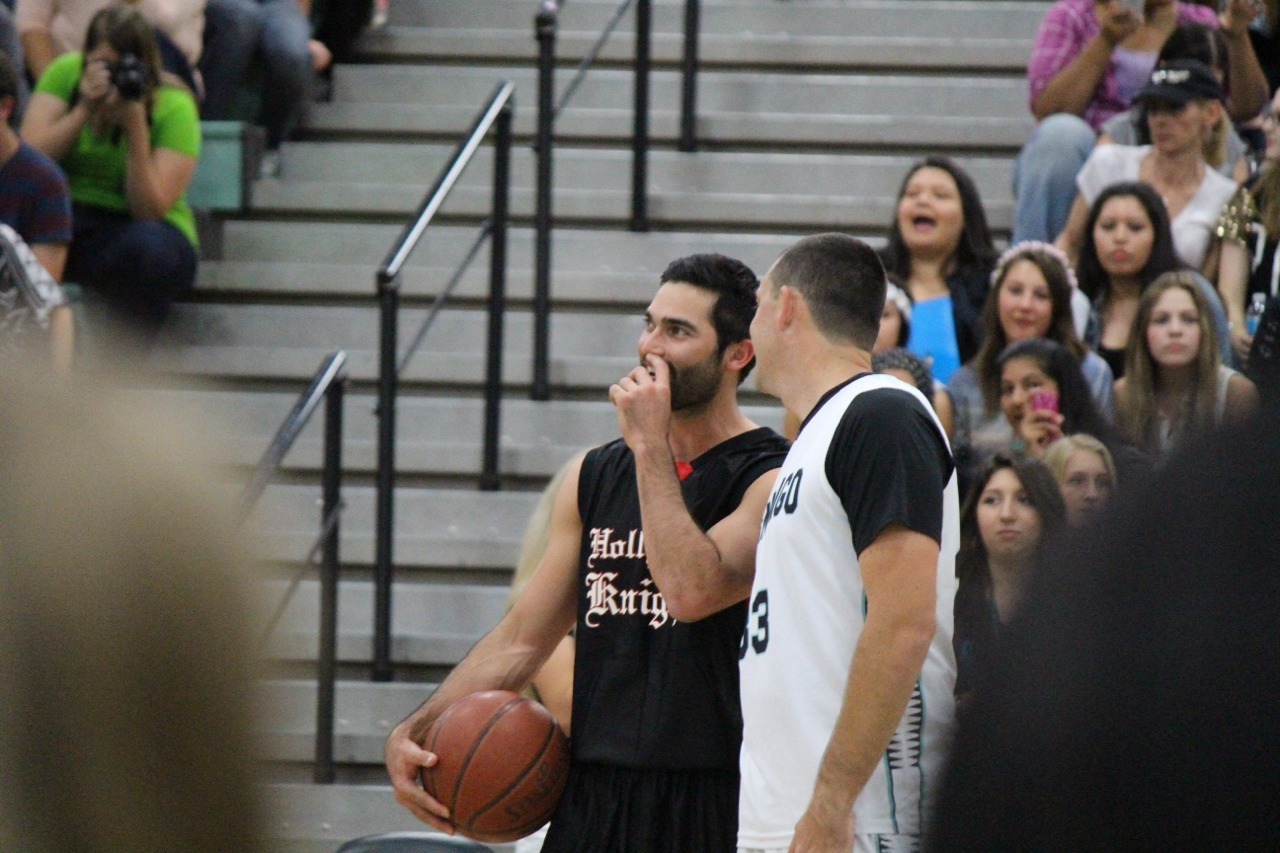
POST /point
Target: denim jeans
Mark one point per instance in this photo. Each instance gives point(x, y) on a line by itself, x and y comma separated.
point(1044, 176)
point(277, 35)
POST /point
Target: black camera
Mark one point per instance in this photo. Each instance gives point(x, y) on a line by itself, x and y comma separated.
point(129, 76)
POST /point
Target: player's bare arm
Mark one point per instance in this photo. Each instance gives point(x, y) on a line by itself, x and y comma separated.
point(505, 659)
point(899, 572)
point(699, 573)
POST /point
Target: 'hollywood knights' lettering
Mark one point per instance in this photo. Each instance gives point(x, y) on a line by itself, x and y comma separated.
point(605, 599)
point(605, 547)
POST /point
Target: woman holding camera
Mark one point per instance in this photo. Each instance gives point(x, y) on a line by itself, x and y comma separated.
point(128, 136)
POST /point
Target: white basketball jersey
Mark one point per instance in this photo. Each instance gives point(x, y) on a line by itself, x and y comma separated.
point(807, 609)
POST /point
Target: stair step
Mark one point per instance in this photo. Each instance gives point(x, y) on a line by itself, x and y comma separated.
point(435, 434)
point(733, 107)
point(710, 189)
point(454, 529)
point(339, 259)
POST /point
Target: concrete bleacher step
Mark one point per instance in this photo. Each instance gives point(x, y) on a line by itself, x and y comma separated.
point(929, 34)
point(709, 190)
point(338, 259)
point(435, 528)
point(734, 108)
point(587, 349)
point(432, 623)
point(437, 434)
point(320, 818)
point(364, 714)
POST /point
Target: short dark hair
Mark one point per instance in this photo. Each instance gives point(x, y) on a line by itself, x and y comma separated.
point(1094, 280)
point(975, 252)
point(843, 282)
point(734, 284)
point(9, 83)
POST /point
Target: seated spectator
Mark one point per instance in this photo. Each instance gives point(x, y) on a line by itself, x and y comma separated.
point(1175, 386)
point(1132, 705)
point(1086, 476)
point(1126, 244)
point(1250, 232)
point(11, 47)
point(277, 34)
point(36, 203)
point(1013, 510)
point(1030, 298)
point(911, 369)
point(51, 28)
point(1090, 58)
point(1189, 41)
point(1044, 396)
point(129, 154)
point(1183, 107)
point(940, 247)
point(895, 321)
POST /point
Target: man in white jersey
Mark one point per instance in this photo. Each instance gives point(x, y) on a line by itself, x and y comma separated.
point(847, 669)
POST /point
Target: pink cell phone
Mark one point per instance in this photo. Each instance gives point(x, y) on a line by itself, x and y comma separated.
point(1045, 401)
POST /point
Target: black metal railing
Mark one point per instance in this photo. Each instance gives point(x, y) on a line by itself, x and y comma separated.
point(546, 24)
point(495, 115)
point(329, 384)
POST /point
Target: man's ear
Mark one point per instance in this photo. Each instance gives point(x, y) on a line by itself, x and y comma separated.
point(8, 105)
point(790, 305)
point(739, 355)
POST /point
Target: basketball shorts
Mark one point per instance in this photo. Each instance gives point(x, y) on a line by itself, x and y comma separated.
point(622, 810)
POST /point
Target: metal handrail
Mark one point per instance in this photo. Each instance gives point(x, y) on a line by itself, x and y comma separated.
point(329, 384)
point(545, 26)
point(495, 115)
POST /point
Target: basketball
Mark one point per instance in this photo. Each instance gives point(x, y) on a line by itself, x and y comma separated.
point(502, 765)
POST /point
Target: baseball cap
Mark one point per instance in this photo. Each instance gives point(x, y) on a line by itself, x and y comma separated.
point(1181, 80)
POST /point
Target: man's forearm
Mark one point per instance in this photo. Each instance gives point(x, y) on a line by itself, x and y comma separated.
point(683, 560)
point(886, 666)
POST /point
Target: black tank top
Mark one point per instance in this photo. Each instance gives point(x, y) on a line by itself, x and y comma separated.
point(648, 691)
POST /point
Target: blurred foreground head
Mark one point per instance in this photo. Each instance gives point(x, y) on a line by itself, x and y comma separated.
point(1133, 702)
point(125, 706)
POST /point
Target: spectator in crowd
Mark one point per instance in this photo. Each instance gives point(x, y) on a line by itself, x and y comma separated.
point(1090, 59)
point(1030, 298)
point(940, 246)
point(912, 369)
point(1131, 705)
point(276, 34)
point(1175, 386)
point(1065, 408)
point(51, 28)
point(1086, 476)
point(1189, 41)
point(1014, 509)
point(895, 322)
point(11, 47)
point(1184, 114)
point(1250, 232)
point(1126, 244)
point(123, 635)
point(129, 148)
point(36, 203)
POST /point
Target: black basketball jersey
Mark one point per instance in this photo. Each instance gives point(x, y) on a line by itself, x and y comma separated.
point(648, 691)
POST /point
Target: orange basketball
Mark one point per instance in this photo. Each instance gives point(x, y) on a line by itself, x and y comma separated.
point(502, 765)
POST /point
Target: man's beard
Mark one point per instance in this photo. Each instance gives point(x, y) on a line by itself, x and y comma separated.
point(695, 386)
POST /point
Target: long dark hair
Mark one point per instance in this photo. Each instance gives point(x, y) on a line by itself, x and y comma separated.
point(1094, 280)
point(975, 251)
point(1043, 493)
point(1075, 402)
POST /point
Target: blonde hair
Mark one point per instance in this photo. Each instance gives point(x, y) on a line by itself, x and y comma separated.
point(125, 712)
point(1138, 413)
point(1061, 451)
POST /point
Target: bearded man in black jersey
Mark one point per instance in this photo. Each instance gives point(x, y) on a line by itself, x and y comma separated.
point(647, 534)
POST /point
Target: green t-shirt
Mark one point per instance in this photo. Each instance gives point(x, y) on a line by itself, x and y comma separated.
point(96, 166)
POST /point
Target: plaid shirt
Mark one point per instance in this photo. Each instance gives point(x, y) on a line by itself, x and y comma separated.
point(1064, 32)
